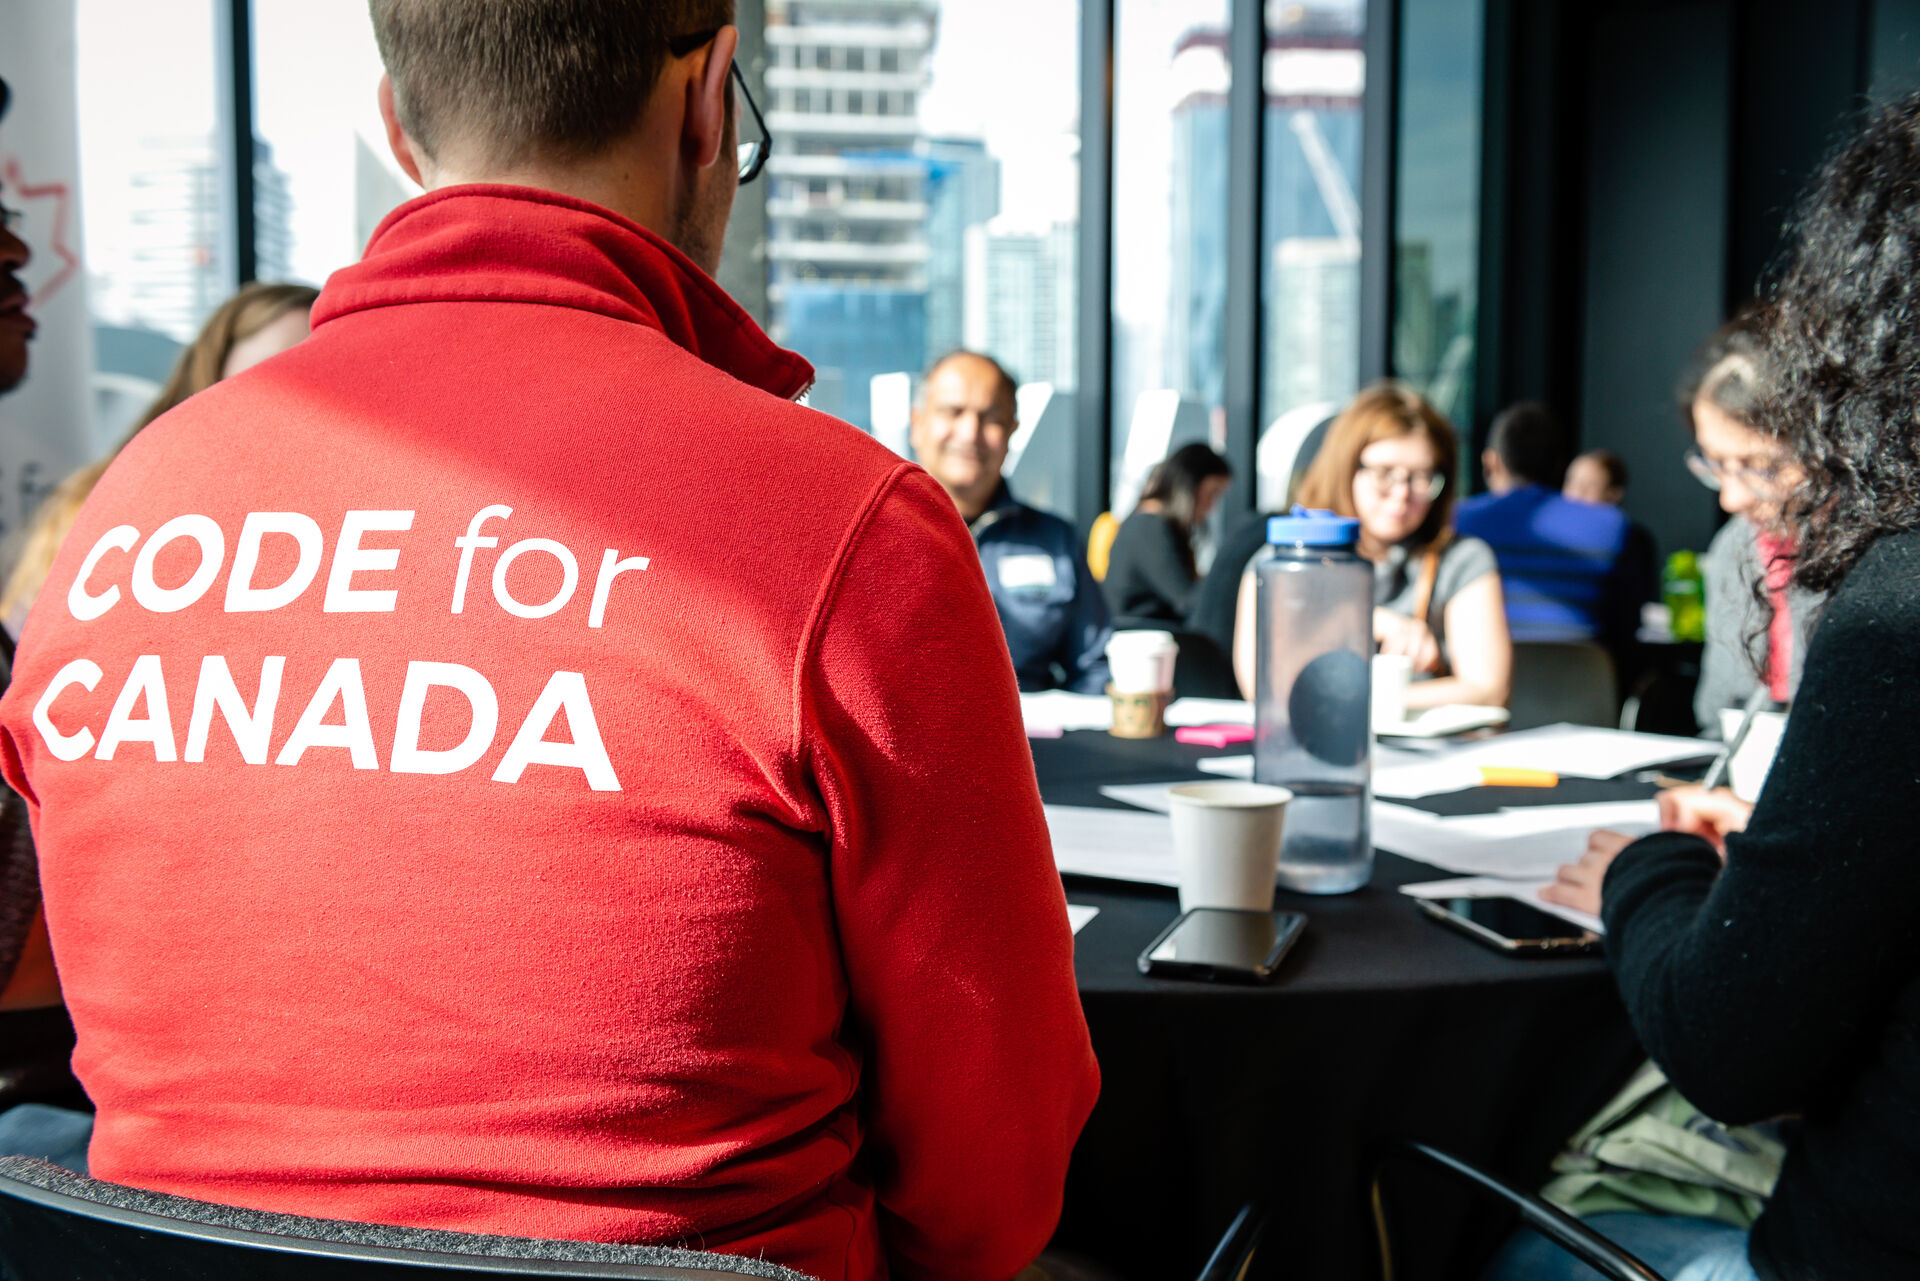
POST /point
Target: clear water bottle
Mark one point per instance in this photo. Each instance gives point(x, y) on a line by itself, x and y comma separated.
point(1313, 731)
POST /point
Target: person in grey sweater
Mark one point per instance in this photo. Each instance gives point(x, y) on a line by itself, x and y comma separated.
point(1754, 632)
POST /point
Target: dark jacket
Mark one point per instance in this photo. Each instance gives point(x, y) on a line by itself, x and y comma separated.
point(1788, 983)
point(1150, 574)
point(1050, 608)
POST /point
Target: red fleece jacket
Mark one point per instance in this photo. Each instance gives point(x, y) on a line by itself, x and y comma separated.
point(501, 766)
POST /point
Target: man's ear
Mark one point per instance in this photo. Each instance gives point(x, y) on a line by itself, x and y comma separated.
point(397, 140)
point(704, 128)
point(1490, 462)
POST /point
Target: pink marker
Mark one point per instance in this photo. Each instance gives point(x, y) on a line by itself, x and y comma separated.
point(1214, 735)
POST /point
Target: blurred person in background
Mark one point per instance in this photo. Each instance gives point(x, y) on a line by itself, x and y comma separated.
point(1151, 575)
point(259, 321)
point(1758, 620)
point(1388, 461)
point(1597, 476)
point(36, 1039)
point(1570, 571)
point(1050, 607)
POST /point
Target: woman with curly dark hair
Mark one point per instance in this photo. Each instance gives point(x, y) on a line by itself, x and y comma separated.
point(1768, 954)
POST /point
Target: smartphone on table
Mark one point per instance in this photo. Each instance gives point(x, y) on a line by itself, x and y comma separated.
point(1511, 926)
point(1222, 946)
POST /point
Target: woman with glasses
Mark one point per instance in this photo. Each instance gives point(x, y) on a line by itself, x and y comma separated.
point(1749, 469)
point(1388, 461)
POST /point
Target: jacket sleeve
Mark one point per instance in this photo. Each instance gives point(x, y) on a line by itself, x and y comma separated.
point(1083, 643)
point(1757, 986)
point(978, 1072)
point(1727, 673)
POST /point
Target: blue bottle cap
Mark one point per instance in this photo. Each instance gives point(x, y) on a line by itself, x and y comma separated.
point(1311, 527)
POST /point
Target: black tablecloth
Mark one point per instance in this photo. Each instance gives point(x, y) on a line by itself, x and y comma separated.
point(1380, 1025)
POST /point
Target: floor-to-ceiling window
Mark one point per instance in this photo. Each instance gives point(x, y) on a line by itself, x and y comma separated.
point(1437, 221)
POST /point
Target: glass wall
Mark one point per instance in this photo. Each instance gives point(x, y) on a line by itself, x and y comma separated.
point(158, 258)
point(922, 195)
point(925, 196)
point(323, 177)
point(1310, 243)
point(1171, 77)
point(1437, 238)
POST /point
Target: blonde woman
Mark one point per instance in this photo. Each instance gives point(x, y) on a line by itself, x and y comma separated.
point(1388, 461)
point(257, 322)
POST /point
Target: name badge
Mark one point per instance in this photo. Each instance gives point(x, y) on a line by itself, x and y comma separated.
point(1030, 572)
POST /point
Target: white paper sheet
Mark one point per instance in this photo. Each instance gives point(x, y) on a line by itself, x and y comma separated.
point(1228, 766)
point(1123, 845)
point(1078, 914)
point(1147, 796)
point(1573, 750)
point(1384, 759)
point(1513, 844)
point(1056, 709)
point(1527, 892)
point(1581, 750)
point(1209, 711)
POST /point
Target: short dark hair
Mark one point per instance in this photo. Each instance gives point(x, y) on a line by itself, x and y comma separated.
point(520, 78)
point(1528, 440)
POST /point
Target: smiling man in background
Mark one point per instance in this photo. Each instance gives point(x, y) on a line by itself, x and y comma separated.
point(1053, 613)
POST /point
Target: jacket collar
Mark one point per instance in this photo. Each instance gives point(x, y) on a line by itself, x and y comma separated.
point(489, 243)
point(1002, 505)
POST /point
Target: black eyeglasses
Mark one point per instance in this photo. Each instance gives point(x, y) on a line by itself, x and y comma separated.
point(1714, 473)
point(10, 218)
point(752, 155)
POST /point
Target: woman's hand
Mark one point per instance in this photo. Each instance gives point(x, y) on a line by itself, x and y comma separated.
point(1713, 815)
point(1577, 885)
point(1398, 634)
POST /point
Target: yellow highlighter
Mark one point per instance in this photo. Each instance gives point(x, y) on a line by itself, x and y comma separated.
point(1496, 776)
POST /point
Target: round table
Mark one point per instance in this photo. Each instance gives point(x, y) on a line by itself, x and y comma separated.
point(1379, 1026)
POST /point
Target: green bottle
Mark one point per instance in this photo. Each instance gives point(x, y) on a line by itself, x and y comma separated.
point(1686, 598)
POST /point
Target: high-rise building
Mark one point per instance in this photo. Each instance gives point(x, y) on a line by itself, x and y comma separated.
point(1020, 298)
point(1315, 76)
point(272, 217)
point(847, 209)
point(174, 272)
point(963, 191)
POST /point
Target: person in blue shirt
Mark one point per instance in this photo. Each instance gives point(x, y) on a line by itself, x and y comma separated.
point(1052, 611)
point(1571, 569)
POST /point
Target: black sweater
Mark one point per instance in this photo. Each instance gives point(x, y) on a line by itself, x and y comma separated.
point(1789, 983)
point(1147, 577)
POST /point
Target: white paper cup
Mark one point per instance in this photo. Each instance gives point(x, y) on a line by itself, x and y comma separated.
point(1226, 843)
point(1392, 673)
point(1142, 662)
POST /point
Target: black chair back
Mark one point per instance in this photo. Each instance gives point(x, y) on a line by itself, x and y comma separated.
point(1555, 683)
point(58, 1226)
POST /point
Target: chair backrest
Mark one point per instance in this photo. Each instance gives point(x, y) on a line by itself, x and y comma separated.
point(1555, 683)
point(1219, 594)
point(1106, 528)
point(54, 1223)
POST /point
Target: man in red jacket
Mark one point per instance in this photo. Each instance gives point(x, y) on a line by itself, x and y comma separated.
point(503, 766)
